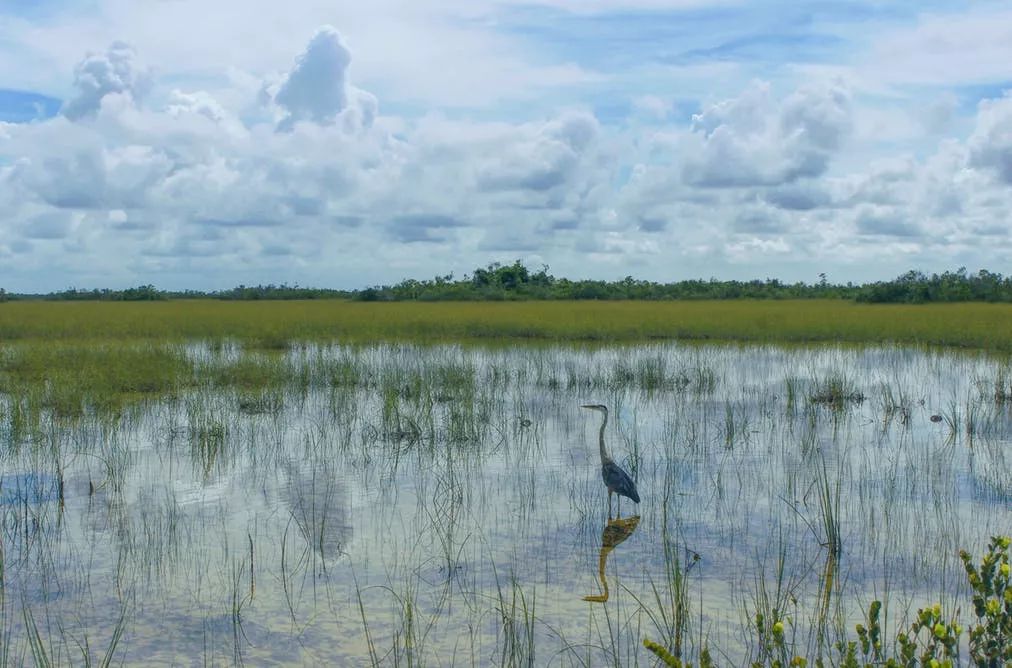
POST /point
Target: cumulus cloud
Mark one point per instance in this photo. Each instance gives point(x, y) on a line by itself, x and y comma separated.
point(197, 184)
point(51, 225)
point(199, 102)
point(194, 179)
point(648, 224)
point(758, 220)
point(991, 142)
point(546, 160)
point(102, 74)
point(883, 183)
point(798, 196)
point(755, 139)
point(429, 227)
point(317, 89)
point(749, 250)
point(885, 221)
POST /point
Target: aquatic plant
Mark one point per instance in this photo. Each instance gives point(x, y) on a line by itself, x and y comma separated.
point(992, 603)
point(836, 391)
point(932, 639)
point(668, 659)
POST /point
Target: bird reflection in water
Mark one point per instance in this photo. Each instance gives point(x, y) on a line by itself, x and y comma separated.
point(615, 532)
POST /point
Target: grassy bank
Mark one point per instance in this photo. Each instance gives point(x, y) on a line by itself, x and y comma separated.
point(276, 324)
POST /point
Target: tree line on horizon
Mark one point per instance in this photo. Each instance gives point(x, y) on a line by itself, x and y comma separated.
point(515, 282)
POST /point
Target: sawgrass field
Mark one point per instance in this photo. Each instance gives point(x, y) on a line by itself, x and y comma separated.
point(278, 323)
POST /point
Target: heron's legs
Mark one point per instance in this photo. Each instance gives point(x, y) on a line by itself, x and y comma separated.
point(609, 504)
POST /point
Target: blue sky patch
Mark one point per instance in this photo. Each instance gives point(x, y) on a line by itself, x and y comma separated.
point(775, 47)
point(17, 106)
point(970, 96)
point(40, 9)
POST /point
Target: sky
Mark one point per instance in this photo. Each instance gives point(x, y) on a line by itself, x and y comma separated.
point(203, 145)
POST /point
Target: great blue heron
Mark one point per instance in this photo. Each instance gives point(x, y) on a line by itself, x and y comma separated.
point(615, 479)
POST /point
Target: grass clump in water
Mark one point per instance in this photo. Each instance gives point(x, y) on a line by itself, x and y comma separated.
point(836, 392)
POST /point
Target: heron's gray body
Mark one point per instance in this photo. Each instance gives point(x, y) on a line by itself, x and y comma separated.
point(618, 481)
point(615, 479)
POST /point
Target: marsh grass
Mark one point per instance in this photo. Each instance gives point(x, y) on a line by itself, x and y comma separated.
point(829, 511)
point(896, 404)
point(262, 402)
point(669, 611)
point(516, 610)
point(836, 391)
point(998, 385)
point(773, 611)
point(736, 425)
point(279, 325)
point(68, 380)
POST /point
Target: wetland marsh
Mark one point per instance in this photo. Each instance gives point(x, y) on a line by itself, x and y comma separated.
point(441, 504)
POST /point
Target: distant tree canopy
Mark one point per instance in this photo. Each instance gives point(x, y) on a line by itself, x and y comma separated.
point(915, 287)
point(498, 282)
point(282, 291)
point(142, 293)
point(516, 282)
point(151, 293)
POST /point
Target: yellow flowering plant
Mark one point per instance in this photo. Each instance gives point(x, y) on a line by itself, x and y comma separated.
point(991, 636)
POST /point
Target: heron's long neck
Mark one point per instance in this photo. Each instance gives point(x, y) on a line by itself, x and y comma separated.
point(604, 453)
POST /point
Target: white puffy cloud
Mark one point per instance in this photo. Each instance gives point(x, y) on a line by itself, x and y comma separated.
point(200, 103)
point(428, 227)
point(187, 186)
point(197, 187)
point(759, 220)
point(929, 210)
point(885, 221)
point(798, 196)
point(317, 89)
point(546, 160)
point(52, 224)
point(102, 74)
point(756, 140)
point(991, 142)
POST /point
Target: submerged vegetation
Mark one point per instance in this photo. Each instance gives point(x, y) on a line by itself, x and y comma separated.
point(267, 500)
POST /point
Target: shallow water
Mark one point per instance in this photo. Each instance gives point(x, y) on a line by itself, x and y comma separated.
point(444, 506)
